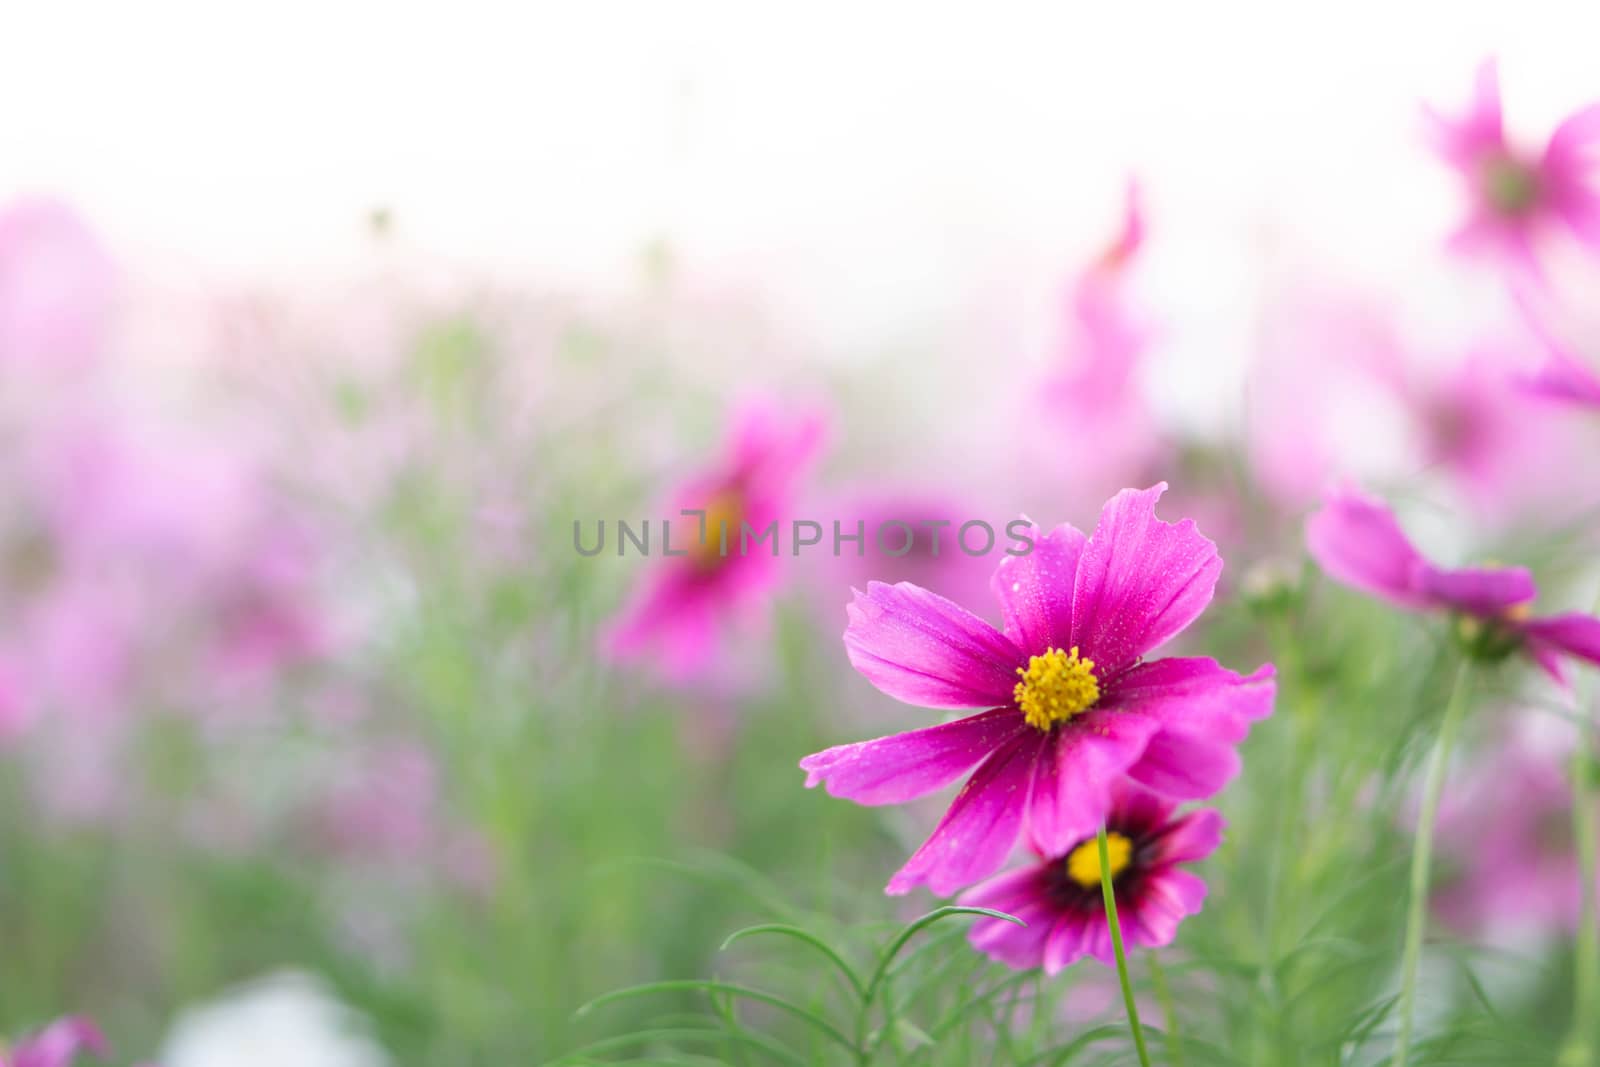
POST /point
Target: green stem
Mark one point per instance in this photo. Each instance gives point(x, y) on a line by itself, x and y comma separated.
point(1116, 946)
point(1422, 858)
point(1580, 1045)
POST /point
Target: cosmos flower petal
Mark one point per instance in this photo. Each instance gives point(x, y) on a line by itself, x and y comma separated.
point(1191, 837)
point(1464, 142)
point(1020, 893)
point(902, 767)
point(1165, 899)
point(1566, 379)
point(1185, 766)
point(1035, 591)
point(1080, 766)
point(1357, 540)
point(1140, 580)
point(918, 647)
point(1195, 695)
point(59, 1044)
point(1477, 590)
point(1575, 141)
point(978, 832)
point(1572, 634)
point(1065, 943)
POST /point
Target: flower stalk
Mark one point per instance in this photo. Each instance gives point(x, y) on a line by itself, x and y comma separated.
point(1116, 946)
point(1422, 860)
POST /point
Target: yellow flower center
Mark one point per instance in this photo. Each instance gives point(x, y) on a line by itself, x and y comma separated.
point(724, 513)
point(1055, 687)
point(1083, 863)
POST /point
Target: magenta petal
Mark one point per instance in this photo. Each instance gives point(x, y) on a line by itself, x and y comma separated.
point(1021, 893)
point(1193, 836)
point(1194, 695)
point(1573, 634)
point(58, 1044)
point(1185, 766)
point(1356, 540)
point(1475, 590)
point(1566, 379)
point(1573, 143)
point(1165, 899)
point(1080, 766)
point(919, 647)
point(1035, 590)
point(978, 832)
point(1140, 580)
point(902, 767)
point(1065, 945)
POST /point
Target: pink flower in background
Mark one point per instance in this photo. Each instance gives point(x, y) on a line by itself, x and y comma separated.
point(1516, 195)
point(57, 1045)
point(1487, 436)
point(678, 610)
point(1356, 540)
point(56, 287)
point(1080, 615)
point(1315, 408)
point(1508, 841)
point(1566, 378)
point(929, 556)
point(1061, 899)
point(1094, 400)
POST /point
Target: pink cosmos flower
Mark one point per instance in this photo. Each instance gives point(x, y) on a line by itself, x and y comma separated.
point(1073, 705)
point(1095, 398)
point(1509, 839)
point(1517, 195)
point(927, 554)
point(677, 612)
point(1357, 541)
point(1060, 897)
point(57, 1045)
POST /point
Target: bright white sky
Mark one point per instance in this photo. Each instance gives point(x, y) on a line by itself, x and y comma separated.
point(879, 167)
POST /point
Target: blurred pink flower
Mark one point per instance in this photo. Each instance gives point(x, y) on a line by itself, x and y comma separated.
point(1508, 838)
point(928, 556)
point(1517, 195)
point(1093, 401)
point(676, 612)
point(1356, 540)
point(57, 1045)
point(1314, 401)
point(1565, 377)
point(56, 287)
point(152, 570)
point(387, 806)
point(1487, 436)
point(1061, 899)
point(1080, 614)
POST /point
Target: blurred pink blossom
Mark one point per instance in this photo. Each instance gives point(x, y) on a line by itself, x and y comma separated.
point(682, 604)
point(1509, 835)
point(1093, 400)
point(1515, 195)
point(57, 1045)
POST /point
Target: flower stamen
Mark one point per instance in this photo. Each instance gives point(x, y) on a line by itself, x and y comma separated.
point(1083, 862)
point(1055, 687)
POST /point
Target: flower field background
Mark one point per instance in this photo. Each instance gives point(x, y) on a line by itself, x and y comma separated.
point(340, 725)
